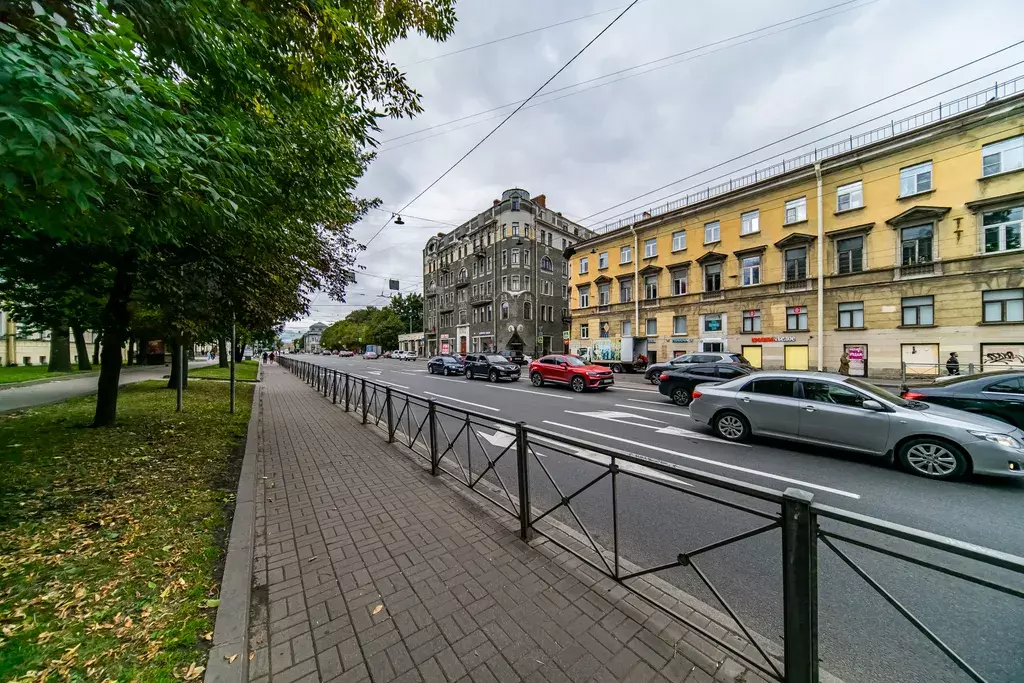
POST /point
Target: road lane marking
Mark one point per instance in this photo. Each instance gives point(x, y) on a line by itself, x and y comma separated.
point(646, 391)
point(459, 400)
point(708, 461)
point(402, 372)
point(653, 403)
point(602, 459)
point(379, 381)
point(614, 415)
point(445, 379)
point(652, 410)
point(528, 391)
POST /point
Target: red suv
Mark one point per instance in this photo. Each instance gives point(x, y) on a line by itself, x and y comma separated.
point(569, 370)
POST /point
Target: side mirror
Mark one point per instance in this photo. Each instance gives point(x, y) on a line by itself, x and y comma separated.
point(871, 404)
point(564, 364)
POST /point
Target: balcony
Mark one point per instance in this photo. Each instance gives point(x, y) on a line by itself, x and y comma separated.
point(912, 270)
point(649, 303)
point(566, 318)
point(603, 308)
point(480, 299)
point(798, 285)
point(716, 295)
point(462, 283)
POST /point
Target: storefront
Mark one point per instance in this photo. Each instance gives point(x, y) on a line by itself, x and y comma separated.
point(713, 335)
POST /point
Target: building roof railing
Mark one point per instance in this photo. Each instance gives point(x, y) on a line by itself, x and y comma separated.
point(893, 129)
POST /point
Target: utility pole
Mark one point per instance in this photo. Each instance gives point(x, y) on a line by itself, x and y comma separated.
point(11, 332)
point(181, 370)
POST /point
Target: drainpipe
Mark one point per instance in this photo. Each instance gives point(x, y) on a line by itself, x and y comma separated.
point(636, 281)
point(821, 270)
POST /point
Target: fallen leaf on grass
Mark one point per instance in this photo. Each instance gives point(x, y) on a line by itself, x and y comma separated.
point(213, 603)
point(377, 609)
point(231, 659)
point(194, 672)
point(251, 656)
point(128, 622)
point(208, 636)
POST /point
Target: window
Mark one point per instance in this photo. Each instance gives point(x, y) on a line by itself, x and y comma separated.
point(584, 331)
point(916, 179)
point(1002, 229)
point(827, 392)
point(713, 277)
point(713, 322)
point(545, 288)
point(515, 229)
point(565, 269)
point(504, 258)
point(515, 257)
point(851, 314)
point(1002, 156)
point(1003, 306)
point(651, 287)
point(727, 373)
point(796, 210)
point(679, 278)
point(515, 204)
point(849, 196)
point(650, 248)
point(751, 268)
point(679, 240)
point(751, 321)
point(526, 257)
point(549, 239)
point(490, 264)
point(584, 265)
point(515, 283)
point(490, 312)
point(528, 310)
point(679, 324)
point(565, 292)
point(916, 245)
point(602, 259)
point(850, 255)
point(750, 222)
point(712, 232)
point(526, 282)
point(584, 297)
point(604, 294)
point(771, 387)
point(625, 254)
point(625, 291)
point(463, 316)
point(796, 318)
point(627, 328)
point(604, 330)
point(919, 310)
point(1009, 386)
point(651, 327)
point(542, 233)
point(796, 264)
point(504, 311)
point(504, 283)
point(546, 265)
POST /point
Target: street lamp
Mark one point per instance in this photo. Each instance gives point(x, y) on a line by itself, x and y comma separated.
point(398, 219)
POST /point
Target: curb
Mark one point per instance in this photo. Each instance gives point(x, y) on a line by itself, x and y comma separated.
point(231, 631)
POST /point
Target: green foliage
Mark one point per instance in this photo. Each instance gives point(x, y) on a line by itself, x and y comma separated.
point(410, 309)
point(384, 328)
point(244, 371)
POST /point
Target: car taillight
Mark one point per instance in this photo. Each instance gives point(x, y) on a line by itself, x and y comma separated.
point(913, 395)
point(694, 395)
point(663, 377)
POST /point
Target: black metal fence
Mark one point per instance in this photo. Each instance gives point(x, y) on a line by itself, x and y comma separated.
point(508, 468)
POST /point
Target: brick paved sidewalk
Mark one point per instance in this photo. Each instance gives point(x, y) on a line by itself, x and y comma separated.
point(367, 568)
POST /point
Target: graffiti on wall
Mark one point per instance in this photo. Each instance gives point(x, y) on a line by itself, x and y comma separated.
point(1000, 356)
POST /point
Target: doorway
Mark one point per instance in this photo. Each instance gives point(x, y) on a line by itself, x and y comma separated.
point(752, 354)
point(796, 357)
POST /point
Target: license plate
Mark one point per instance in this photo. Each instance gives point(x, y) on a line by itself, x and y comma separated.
point(607, 381)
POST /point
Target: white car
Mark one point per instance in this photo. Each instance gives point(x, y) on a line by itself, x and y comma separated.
point(398, 355)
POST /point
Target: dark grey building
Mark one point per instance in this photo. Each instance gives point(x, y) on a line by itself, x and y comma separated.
point(500, 281)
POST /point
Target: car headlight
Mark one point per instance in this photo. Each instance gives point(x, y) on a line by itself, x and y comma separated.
point(1002, 439)
point(593, 374)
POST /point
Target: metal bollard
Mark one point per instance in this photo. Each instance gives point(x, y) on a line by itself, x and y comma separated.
point(432, 430)
point(362, 397)
point(522, 451)
point(391, 416)
point(800, 587)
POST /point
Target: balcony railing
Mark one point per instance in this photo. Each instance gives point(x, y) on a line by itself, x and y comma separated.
point(918, 270)
point(715, 295)
point(566, 318)
point(477, 299)
point(799, 285)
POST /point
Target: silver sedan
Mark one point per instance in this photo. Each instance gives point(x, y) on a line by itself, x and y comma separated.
point(844, 412)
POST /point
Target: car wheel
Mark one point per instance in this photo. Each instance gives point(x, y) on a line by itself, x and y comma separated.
point(616, 368)
point(469, 373)
point(493, 376)
point(444, 371)
point(731, 426)
point(932, 458)
point(681, 397)
point(537, 379)
point(654, 380)
point(578, 385)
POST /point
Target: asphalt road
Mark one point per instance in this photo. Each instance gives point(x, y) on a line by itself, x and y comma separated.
point(862, 638)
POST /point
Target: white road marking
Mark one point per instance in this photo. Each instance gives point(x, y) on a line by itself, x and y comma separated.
point(445, 379)
point(373, 372)
point(499, 438)
point(459, 400)
point(527, 391)
point(612, 415)
point(653, 403)
point(646, 391)
point(708, 461)
point(402, 372)
point(602, 459)
point(652, 410)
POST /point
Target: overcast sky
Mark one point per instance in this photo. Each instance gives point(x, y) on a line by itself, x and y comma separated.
point(592, 150)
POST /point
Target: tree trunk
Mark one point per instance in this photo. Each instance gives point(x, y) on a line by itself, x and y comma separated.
point(175, 345)
point(96, 348)
point(222, 352)
point(60, 350)
point(131, 350)
point(82, 349)
point(239, 353)
point(115, 324)
point(142, 351)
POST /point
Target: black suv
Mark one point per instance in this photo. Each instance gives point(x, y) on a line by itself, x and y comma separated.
point(678, 384)
point(446, 365)
point(654, 371)
point(514, 355)
point(492, 366)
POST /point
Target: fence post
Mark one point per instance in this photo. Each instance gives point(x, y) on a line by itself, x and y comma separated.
point(346, 392)
point(903, 373)
point(334, 388)
point(524, 481)
point(391, 415)
point(800, 587)
point(432, 430)
point(970, 368)
point(362, 397)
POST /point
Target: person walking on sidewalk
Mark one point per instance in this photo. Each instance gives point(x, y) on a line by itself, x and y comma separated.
point(844, 364)
point(953, 364)
point(264, 357)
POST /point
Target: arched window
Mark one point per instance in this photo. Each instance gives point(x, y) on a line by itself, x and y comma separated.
point(545, 264)
point(528, 310)
point(504, 311)
point(463, 275)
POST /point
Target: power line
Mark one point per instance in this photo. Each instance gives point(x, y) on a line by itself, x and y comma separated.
point(632, 68)
point(505, 120)
point(417, 218)
point(808, 129)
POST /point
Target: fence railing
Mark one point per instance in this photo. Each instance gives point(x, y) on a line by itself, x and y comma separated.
point(507, 467)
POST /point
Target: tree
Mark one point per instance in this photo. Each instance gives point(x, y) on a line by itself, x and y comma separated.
point(409, 309)
point(384, 328)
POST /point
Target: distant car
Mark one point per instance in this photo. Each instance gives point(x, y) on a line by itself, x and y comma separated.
point(515, 356)
point(998, 395)
point(844, 412)
point(653, 372)
point(571, 371)
point(679, 384)
point(398, 355)
point(446, 365)
point(370, 355)
point(492, 366)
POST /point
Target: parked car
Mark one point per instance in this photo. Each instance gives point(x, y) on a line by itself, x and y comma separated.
point(844, 412)
point(654, 370)
point(570, 370)
point(398, 355)
point(370, 355)
point(446, 365)
point(493, 366)
point(679, 384)
point(515, 356)
point(998, 395)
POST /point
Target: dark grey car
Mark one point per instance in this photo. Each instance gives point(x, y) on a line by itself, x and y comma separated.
point(652, 372)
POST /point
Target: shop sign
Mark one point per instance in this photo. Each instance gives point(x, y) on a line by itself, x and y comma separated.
point(444, 336)
point(682, 340)
point(565, 335)
point(769, 340)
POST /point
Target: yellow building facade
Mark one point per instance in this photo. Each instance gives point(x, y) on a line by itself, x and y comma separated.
point(896, 247)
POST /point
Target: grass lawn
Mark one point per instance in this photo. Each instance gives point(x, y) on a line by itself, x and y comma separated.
point(246, 370)
point(24, 373)
point(111, 539)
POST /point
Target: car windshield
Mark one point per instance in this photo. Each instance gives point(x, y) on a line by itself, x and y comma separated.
point(496, 359)
point(574, 361)
point(869, 388)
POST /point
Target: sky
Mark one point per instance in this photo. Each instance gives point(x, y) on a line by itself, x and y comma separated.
point(745, 74)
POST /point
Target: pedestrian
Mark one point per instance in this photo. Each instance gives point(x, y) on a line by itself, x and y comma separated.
point(844, 364)
point(264, 357)
point(271, 356)
point(953, 364)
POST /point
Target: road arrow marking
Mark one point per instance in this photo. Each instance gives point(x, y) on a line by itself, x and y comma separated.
point(612, 415)
point(605, 460)
point(498, 438)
